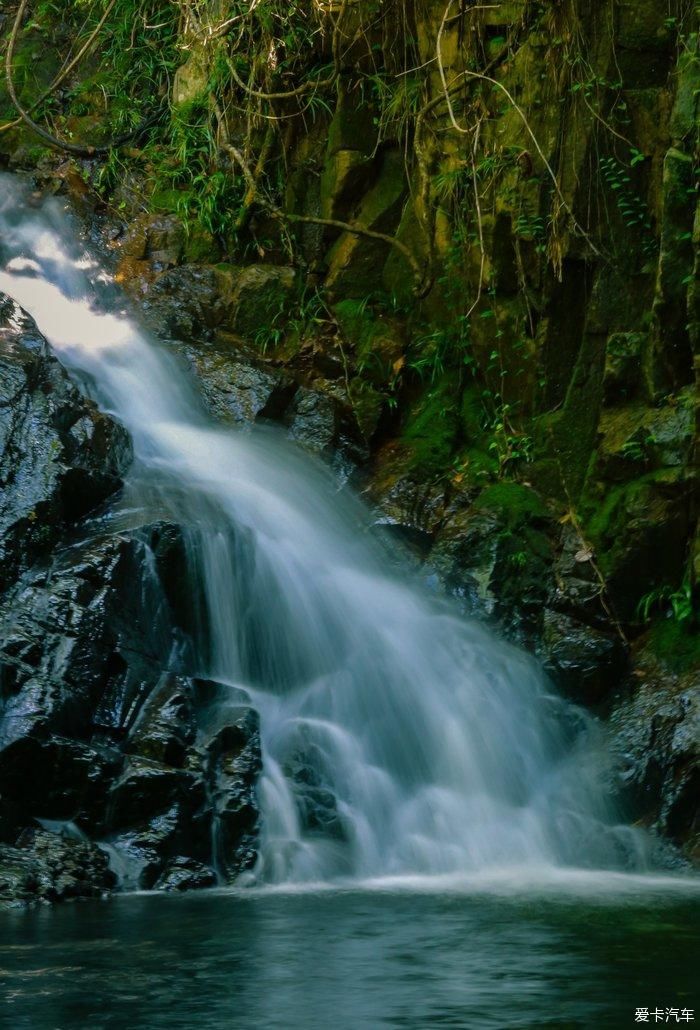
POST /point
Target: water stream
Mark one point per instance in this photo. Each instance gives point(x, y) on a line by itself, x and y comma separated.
point(428, 747)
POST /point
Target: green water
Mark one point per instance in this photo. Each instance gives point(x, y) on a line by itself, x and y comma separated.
point(487, 958)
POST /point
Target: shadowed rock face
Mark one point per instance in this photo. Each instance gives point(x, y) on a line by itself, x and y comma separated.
point(101, 729)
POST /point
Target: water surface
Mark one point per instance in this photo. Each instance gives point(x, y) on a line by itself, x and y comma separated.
point(581, 953)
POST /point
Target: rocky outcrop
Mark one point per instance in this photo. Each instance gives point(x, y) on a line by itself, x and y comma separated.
point(655, 730)
point(103, 735)
point(100, 725)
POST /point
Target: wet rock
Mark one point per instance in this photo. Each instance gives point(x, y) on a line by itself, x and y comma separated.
point(585, 663)
point(234, 764)
point(186, 303)
point(406, 504)
point(465, 555)
point(496, 558)
point(46, 867)
point(59, 456)
point(235, 389)
point(316, 803)
point(575, 587)
point(56, 778)
point(148, 789)
point(655, 730)
point(184, 874)
point(97, 726)
point(312, 420)
point(165, 727)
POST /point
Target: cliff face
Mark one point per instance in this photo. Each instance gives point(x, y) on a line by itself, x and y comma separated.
point(460, 241)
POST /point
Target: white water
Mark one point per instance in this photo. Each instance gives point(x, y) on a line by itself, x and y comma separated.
point(438, 749)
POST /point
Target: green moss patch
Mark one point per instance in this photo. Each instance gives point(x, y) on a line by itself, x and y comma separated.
point(514, 502)
point(431, 430)
point(677, 646)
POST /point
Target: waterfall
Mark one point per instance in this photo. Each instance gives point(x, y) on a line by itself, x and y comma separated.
point(398, 738)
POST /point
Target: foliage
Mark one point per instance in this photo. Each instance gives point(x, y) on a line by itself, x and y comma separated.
point(680, 604)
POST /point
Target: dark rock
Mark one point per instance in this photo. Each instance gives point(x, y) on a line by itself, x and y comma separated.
point(496, 558)
point(575, 587)
point(184, 874)
point(165, 728)
point(59, 456)
point(234, 764)
point(585, 663)
point(186, 303)
point(316, 803)
point(235, 388)
point(147, 789)
point(46, 867)
point(312, 420)
point(655, 731)
point(98, 727)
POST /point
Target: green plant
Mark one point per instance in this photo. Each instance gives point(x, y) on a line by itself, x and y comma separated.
point(631, 206)
point(680, 604)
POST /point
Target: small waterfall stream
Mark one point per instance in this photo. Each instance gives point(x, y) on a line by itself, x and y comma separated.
point(398, 738)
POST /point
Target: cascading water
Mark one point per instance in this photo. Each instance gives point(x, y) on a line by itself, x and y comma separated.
point(398, 739)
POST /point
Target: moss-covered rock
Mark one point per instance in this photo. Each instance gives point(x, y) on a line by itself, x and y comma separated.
point(259, 297)
point(631, 526)
point(354, 260)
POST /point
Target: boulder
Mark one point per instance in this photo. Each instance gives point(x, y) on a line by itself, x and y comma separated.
point(48, 867)
point(654, 728)
point(184, 874)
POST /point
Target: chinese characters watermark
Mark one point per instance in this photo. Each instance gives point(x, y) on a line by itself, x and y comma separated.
point(646, 1015)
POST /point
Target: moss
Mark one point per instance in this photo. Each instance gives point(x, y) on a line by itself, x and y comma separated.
point(639, 530)
point(200, 246)
point(677, 646)
point(514, 502)
point(353, 260)
point(431, 430)
point(355, 321)
point(168, 201)
point(606, 522)
point(472, 413)
point(377, 341)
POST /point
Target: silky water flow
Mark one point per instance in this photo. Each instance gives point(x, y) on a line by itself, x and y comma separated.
point(398, 738)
